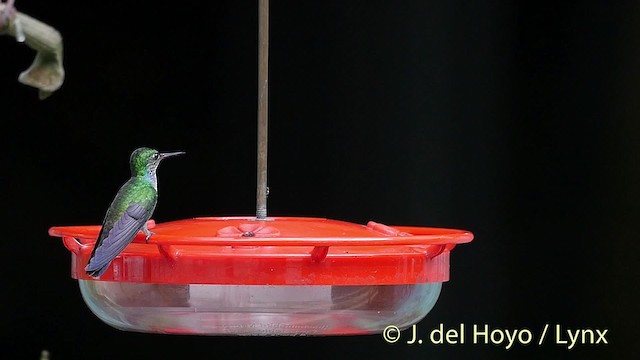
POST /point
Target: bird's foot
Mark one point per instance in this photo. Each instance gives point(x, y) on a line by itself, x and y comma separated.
point(148, 233)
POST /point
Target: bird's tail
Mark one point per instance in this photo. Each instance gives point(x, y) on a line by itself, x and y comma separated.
point(94, 271)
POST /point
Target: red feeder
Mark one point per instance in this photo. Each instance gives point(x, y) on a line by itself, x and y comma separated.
point(282, 276)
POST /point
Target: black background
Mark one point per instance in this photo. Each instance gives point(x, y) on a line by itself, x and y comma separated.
point(517, 121)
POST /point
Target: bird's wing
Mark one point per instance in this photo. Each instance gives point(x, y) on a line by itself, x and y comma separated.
point(122, 233)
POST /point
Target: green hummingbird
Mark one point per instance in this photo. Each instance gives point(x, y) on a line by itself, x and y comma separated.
point(129, 211)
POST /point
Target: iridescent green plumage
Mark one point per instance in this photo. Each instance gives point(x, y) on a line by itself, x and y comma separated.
point(136, 190)
point(129, 211)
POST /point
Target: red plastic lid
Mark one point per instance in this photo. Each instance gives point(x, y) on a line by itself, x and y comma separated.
point(278, 251)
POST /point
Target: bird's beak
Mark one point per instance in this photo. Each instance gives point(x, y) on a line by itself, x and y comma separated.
point(170, 154)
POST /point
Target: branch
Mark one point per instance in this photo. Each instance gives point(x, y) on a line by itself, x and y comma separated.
point(46, 72)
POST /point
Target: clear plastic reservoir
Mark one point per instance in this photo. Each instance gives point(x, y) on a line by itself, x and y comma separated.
point(258, 309)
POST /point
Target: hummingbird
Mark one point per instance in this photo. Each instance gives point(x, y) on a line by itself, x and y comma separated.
point(129, 211)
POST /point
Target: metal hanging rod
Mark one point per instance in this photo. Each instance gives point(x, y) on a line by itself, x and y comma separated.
point(263, 107)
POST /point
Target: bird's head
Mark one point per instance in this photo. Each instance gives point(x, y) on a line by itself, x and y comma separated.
point(144, 161)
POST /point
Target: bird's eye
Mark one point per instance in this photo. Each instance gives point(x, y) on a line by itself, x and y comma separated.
point(155, 156)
